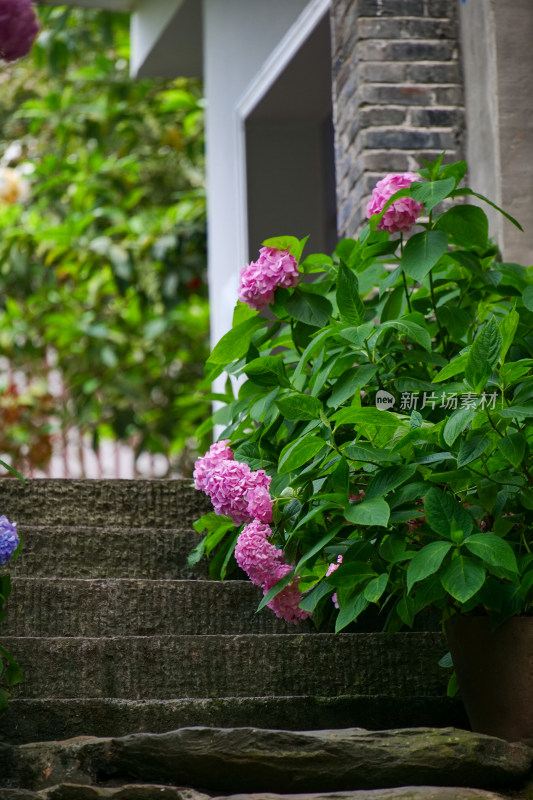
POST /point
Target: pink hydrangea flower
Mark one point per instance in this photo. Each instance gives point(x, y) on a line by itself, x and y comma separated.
point(206, 463)
point(227, 485)
point(261, 278)
point(255, 555)
point(285, 605)
point(18, 28)
point(403, 213)
point(260, 504)
point(265, 566)
point(332, 568)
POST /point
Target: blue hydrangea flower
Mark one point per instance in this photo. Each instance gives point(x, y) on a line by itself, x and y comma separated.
point(9, 540)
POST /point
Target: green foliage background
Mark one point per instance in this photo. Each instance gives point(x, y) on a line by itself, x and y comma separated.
point(104, 268)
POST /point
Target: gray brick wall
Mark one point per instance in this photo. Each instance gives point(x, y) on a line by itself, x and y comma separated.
point(397, 93)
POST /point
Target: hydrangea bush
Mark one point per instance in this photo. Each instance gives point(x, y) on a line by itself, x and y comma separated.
point(375, 451)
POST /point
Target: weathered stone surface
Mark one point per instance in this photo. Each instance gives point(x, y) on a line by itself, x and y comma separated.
point(104, 552)
point(154, 792)
point(254, 760)
point(169, 667)
point(45, 720)
point(395, 793)
point(121, 607)
point(109, 503)
point(70, 791)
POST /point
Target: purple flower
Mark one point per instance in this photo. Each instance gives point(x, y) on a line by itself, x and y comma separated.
point(9, 540)
point(18, 28)
point(403, 213)
point(261, 278)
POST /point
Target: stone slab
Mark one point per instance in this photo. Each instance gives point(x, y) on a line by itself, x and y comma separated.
point(231, 760)
point(109, 503)
point(394, 793)
point(70, 791)
point(61, 551)
point(124, 607)
point(167, 667)
point(45, 720)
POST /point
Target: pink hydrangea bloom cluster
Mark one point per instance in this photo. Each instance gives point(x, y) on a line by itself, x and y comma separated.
point(235, 490)
point(261, 278)
point(18, 28)
point(332, 568)
point(403, 213)
point(265, 566)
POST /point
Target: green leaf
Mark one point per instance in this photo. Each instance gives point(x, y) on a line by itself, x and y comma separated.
point(507, 327)
point(516, 411)
point(445, 513)
point(393, 304)
point(350, 574)
point(471, 193)
point(472, 449)
point(369, 416)
point(387, 479)
point(463, 578)
point(299, 452)
point(369, 512)
point(234, 344)
point(348, 383)
point(375, 588)
point(455, 366)
point(291, 243)
point(527, 298)
point(426, 562)
point(313, 309)
point(241, 313)
point(457, 423)
point(467, 225)
point(513, 448)
point(351, 308)
point(315, 595)
point(275, 590)
point(422, 252)
point(349, 611)
point(411, 329)
point(484, 355)
point(299, 406)
point(432, 192)
point(267, 371)
point(492, 550)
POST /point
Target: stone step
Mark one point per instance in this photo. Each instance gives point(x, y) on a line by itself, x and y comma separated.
point(71, 791)
point(166, 667)
point(249, 760)
point(47, 719)
point(109, 503)
point(125, 607)
point(102, 552)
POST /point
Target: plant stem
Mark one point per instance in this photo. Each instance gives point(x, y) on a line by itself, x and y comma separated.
point(403, 276)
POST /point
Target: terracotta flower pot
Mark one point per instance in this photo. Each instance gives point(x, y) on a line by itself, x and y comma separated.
point(495, 674)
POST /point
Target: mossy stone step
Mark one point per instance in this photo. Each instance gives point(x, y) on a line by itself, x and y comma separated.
point(230, 760)
point(61, 551)
point(137, 607)
point(108, 503)
point(166, 667)
point(47, 719)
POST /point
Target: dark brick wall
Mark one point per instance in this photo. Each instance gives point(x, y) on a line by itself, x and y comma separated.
point(397, 93)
